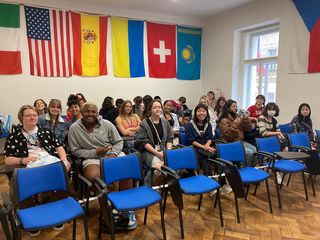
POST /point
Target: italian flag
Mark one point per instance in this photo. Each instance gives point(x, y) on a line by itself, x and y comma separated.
point(10, 56)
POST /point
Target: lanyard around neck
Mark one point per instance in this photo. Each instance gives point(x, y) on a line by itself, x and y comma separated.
point(155, 130)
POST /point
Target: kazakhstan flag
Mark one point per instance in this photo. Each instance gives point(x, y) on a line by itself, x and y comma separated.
point(127, 47)
point(189, 53)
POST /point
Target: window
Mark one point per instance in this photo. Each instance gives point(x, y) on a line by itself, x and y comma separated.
point(259, 63)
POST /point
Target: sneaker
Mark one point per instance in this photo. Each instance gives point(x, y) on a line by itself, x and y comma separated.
point(279, 178)
point(226, 189)
point(58, 228)
point(132, 220)
point(34, 233)
point(212, 193)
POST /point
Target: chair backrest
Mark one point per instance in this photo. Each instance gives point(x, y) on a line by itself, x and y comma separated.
point(285, 128)
point(182, 158)
point(183, 138)
point(121, 168)
point(31, 181)
point(233, 152)
point(268, 144)
point(299, 139)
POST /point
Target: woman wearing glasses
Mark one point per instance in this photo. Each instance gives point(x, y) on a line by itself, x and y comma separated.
point(30, 145)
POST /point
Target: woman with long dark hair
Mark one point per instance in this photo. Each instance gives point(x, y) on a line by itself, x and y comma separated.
point(302, 121)
point(233, 126)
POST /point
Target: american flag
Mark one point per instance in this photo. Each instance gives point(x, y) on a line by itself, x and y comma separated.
point(49, 41)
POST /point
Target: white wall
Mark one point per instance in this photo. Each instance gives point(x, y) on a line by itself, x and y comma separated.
point(218, 44)
point(17, 90)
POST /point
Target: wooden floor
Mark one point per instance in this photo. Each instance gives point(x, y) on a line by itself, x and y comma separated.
point(298, 219)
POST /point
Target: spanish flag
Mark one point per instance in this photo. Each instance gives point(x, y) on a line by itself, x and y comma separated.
point(90, 44)
point(127, 47)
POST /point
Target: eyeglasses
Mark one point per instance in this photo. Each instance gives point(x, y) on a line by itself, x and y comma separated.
point(30, 115)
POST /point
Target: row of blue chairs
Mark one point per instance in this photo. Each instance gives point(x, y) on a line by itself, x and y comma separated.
point(229, 157)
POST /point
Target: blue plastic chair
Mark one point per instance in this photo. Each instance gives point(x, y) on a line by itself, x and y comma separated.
point(30, 182)
point(266, 148)
point(122, 168)
point(285, 128)
point(186, 158)
point(233, 154)
point(299, 141)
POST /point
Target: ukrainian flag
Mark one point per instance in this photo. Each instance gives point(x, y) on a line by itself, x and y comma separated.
point(189, 53)
point(127, 47)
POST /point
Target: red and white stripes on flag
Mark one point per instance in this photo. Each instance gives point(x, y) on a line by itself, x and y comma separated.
point(49, 40)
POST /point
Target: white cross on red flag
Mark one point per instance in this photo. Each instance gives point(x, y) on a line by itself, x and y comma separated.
point(161, 50)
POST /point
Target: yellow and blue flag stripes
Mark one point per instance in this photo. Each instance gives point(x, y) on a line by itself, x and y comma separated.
point(189, 53)
point(127, 47)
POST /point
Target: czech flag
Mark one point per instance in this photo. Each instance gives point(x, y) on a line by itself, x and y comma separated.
point(309, 10)
point(127, 47)
point(90, 44)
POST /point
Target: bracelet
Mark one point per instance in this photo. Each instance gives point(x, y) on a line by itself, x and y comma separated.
point(20, 161)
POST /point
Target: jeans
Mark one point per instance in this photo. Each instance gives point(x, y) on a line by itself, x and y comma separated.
point(250, 150)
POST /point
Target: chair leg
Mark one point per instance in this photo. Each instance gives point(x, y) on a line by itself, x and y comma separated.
point(289, 179)
point(312, 184)
point(255, 189)
point(100, 225)
point(216, 200)
point(200, 201)
point(277, 188)
point(269, 198)
point(162, 222)
point(111, 223)
point(145, 216)
point(85, 225)
point(247, 192)
point(237, 208)
point(283, 177)
point(74, 228)
point(305, 186)
point(220, 208)
point(181, 224)
point(165, 201)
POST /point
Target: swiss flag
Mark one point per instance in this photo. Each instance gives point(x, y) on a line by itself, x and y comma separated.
point(161, 50)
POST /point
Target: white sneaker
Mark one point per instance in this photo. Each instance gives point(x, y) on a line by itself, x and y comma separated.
point(279, 178)
point(212, 193)
point(34, 233)
point(226, 189)
point(132, 220)
point(58, 228)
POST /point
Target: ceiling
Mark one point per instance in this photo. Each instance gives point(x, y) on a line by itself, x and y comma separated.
point(185, 8)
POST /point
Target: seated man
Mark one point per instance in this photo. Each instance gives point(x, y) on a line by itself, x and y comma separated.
point(92, 138)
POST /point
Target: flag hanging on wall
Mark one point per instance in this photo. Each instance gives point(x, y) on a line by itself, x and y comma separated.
point(189, 53)
point(310, 13)
point(127, 47)
point(49, 42)
point(10, 56)
point(161, 50)
point(90, 44)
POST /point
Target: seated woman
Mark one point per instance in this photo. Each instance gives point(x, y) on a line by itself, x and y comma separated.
point(29, 145)
point(212, 116)
point(218, 108)
point(137, 107)
point(268, 125)
point(233, 126)
point(128, 125)
point(199, 135)
point(171, 117)
point(153, 137)
point(255, 111)
point(53, 121)
point(302, 122)
point(41, 106)
point(74, 109)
